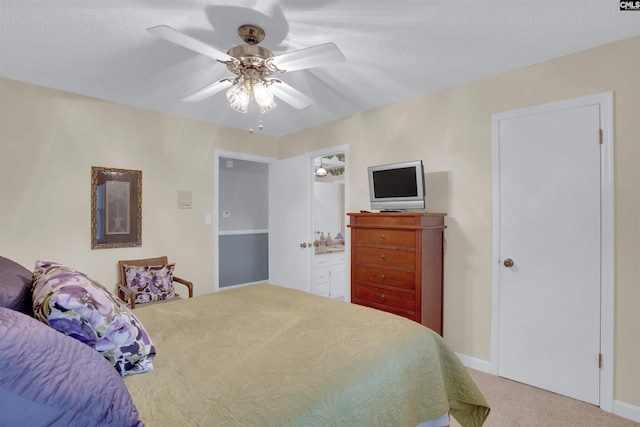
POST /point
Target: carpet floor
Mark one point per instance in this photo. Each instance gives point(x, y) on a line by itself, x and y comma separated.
point(515, 404)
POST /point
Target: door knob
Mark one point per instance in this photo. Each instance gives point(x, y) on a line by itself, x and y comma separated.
point(508, 262)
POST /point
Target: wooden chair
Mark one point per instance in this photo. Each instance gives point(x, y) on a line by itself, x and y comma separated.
point(127, 294)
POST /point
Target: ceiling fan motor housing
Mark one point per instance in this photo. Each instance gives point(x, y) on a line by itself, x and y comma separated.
point(251, 57)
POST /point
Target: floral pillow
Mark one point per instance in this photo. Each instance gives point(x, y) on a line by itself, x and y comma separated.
point(79, 307)
point(151, 282)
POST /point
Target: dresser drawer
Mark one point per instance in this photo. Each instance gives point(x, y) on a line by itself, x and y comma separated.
point(374, 296)
point(411, 315)
point(383, 236)
point(382, 256)
point(386, 276)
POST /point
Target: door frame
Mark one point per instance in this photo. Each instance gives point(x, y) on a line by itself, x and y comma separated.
point(605, 101)
point(216, 203)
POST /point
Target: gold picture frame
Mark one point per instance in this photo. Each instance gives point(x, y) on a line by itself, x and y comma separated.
point(116, 208)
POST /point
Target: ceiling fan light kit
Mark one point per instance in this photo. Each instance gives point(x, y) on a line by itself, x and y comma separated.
point(252, 66)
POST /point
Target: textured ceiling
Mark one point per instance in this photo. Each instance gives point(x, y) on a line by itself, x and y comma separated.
point(395, 50)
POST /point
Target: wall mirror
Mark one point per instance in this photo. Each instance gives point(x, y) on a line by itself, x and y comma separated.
point(329, 206)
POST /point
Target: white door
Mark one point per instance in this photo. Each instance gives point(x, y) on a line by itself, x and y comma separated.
point(549, 228)
point(290, 240)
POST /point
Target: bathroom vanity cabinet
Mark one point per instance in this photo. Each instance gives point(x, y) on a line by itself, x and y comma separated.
point(330, 275)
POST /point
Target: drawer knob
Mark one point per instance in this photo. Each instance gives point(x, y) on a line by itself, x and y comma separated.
point(383, 297)
point(382, 277)
point(383, 256)
point(382, 236)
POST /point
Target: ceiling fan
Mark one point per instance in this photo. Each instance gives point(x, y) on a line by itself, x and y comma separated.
point(253, 66)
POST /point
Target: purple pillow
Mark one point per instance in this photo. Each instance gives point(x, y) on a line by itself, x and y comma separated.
point(15, 286)
point(75, 305)
point(47, 378)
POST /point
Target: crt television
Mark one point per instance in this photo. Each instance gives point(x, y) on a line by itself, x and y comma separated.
point(397, 186)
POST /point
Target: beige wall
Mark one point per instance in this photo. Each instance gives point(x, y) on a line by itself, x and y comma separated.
point(49, 140)
point(451, 132)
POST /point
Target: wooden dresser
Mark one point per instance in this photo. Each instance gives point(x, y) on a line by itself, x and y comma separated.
point(396, 264)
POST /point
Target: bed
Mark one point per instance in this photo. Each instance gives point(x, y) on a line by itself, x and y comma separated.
point(259, 355)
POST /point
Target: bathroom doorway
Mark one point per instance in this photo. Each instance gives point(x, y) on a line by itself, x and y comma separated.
point(328, 219)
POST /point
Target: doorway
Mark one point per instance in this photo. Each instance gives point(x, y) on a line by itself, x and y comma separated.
point(283, 234)
point(552, 302)
point(241, 234)
point(300, 254)
point(329, 226)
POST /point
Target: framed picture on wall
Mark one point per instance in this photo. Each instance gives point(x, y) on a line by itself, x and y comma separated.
point(116, 208)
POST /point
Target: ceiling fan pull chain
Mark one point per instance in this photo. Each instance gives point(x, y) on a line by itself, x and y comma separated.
point(250, 113)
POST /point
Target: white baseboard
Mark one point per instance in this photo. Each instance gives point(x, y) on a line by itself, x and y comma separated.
point(622, 409)
point(626, 410)
point(475, 363)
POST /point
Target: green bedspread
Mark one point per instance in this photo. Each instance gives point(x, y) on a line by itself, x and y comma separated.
point(263, 355)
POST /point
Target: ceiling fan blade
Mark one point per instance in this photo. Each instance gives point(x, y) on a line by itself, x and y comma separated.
point(288, 94)
point(315, 56)
point(175, 36)
point(208, 91)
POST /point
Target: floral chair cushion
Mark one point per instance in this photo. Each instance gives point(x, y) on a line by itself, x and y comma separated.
point(77, 306)
point(151, 282)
